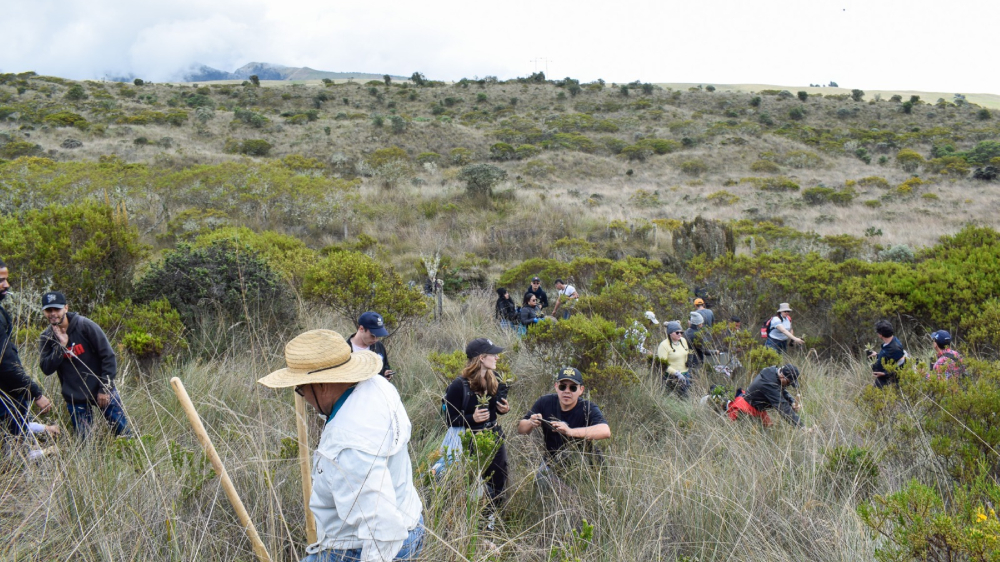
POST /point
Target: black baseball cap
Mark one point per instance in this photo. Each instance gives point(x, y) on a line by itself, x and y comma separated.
point(791, 372)
point(481, 346)
point(53, 299)
point(533, 279)
point(372, 321)
point(569, 374)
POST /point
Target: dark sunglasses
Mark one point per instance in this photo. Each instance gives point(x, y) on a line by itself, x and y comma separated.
point(572, 387)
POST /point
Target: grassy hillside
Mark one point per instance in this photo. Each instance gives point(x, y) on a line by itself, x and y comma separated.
point(204, 225)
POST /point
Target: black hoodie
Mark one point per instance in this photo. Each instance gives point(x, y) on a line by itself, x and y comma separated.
point(86, 366)
point(14, 381)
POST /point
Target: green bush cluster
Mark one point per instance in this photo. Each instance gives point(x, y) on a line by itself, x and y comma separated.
point(822, 195)
point(776, 183)
point(147, 331)
point(222, 282)
point(351, 282)
point(88, 251)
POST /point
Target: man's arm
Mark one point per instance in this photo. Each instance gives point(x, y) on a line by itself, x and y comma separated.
point(591, 432)
point(526, 426)
point(103, 349)
point(785, 408)
point(50, 352)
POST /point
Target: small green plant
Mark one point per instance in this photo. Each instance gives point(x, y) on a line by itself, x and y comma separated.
point(576, 544)
point(480, 179)
point(195, 469)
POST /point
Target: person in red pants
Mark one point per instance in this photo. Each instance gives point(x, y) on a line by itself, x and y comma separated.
point(766, 392)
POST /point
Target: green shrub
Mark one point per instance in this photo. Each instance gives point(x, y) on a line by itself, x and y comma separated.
point(909, 160)
point(874, 181)
point(255, 147)
point(850, 469)
point(694, 167)
point(502, 151)
point(428, 158)
point(146, 331)
point(18, 149)
point(223, 281)
point(723, 197)
point(76, 93)
point(383, 156)
point(66, 119)
point(776, 183)
point(636, 152)
point(589, 343)
point(525, 151)
point(351, 283)
point(286, 255)
point(803, 95)
point(481, 178)
point(817, 195)
point(765, 167)
point(460, 156)
point(87, 251)
point(797, 113)
point(857, 95)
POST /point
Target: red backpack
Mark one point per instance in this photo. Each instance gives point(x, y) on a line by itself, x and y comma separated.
point(765, 330)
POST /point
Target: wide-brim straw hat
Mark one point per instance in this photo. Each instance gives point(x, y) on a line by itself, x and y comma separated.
point(783, 307)
point(322, 356)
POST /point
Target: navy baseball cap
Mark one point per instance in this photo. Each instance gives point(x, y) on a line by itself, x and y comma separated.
point(372, 321)
point(941, 337)
point(569, 374)
point(53, 299)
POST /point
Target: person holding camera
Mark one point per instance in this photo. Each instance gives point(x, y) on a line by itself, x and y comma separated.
point(565, 419)
point(472, 402)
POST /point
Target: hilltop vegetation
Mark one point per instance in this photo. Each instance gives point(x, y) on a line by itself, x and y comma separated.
point(203, 225)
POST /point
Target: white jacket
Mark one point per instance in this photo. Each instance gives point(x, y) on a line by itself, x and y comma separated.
point(363, 494)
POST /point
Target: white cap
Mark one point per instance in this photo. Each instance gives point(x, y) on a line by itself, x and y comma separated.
point(652, 317)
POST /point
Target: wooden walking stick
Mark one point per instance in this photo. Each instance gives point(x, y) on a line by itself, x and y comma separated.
point(227, 484)
point(304, 465)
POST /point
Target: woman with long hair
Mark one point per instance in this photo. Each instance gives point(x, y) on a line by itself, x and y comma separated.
point(471, 403)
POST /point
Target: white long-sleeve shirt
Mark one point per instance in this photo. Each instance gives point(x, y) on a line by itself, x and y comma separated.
point(363, 494)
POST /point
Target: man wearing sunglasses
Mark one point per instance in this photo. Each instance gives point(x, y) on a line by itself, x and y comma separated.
point(563, 417)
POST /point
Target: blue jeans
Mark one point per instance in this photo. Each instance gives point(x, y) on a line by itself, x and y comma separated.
point(410, 550)
point(80, 417)
point(781, 346)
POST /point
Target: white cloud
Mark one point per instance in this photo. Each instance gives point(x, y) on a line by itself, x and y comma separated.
point(872, 44)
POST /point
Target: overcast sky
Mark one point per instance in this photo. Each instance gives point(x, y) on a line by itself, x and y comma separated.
point(873, 44)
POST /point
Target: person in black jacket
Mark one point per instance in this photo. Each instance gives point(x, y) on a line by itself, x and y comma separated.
point(77, 349)
point(766, 392)
point(506, 309)
point(537, 290)
point(472, 402)
point(529, 313)
point(890, 358)
point(17, 390)
point(371, 328)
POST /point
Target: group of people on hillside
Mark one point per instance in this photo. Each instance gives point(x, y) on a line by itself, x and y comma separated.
point(533, 304)
point(363, 496)
point(78, 352)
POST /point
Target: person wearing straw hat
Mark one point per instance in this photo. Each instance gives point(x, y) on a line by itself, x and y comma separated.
point(363, 498)
point(780, 332)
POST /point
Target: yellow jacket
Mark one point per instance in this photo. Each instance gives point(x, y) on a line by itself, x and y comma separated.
point(675, 354)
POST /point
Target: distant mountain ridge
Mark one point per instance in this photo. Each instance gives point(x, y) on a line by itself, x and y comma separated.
point(268, 71)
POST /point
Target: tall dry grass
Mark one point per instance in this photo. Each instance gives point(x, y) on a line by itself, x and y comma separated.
point(678, 481)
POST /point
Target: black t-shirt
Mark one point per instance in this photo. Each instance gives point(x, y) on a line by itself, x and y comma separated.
point(584, 414)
